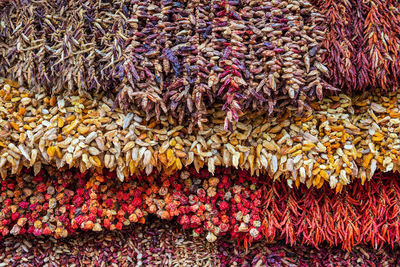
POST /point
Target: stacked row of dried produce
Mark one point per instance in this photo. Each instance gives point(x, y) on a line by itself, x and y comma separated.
point(231, 203)
point(184, 90)
point(341, 139)
point(164, 244)
point(362, 43)
point(169, 57)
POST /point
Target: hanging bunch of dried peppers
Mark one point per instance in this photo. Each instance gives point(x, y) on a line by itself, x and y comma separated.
point(362, 43)
point(169, 57)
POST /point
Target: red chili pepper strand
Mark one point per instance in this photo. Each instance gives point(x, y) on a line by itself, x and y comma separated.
point(394, 212)
point(362, 54)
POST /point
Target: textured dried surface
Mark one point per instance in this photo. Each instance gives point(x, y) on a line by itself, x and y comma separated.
point(168, 56)
point(342, 138)
point(156, 244)
point(362, 43)
point(230, 203)
point(161, 244)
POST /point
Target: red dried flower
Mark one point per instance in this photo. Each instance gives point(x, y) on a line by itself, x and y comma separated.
point(118, 226)
point(23, 205)
point(223, 205)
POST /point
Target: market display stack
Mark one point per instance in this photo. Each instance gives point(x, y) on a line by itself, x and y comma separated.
point(204, 133)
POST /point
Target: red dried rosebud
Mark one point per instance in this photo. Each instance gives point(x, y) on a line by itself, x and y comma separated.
point(215, 221)
point(46, 231)
point(224, 205)
point(32, 207)
point(184, 220)
point(178, 187)
point(37, 232)
point(7, 202)
point(79, 219)
point(80, 191)
point(106, 223)
point(201, 193)
point(23, 205)
point(92, 217)
point(183, 210)
point(11, 186)
point(195, 220)
point(47, 197)
point(5, 232)
point(137, 201)
point(93, 210)
point(99, 212)
point(41, 188)
point(78, 201)
point(109, 203)
point(14, 216)
point(22, 231)
point(194, 208)
point(199, 230)
point(118, 226)
point(224, 227)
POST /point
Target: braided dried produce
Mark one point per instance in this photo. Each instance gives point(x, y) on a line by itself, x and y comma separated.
point(341, 139)
point(169, 57)
point(362, 43)
point(161, 243)
point(229, 203)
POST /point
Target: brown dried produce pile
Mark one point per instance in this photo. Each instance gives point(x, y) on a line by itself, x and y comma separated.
point(165, 244)
point(169, 57)
point(341, 139)
point(362, 43)
point(155, 244)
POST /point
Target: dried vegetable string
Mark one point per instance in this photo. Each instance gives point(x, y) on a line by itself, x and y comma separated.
point(229, 203)
point(161, 243)
point(341, 139)
point(362, 43)
point(169, 57)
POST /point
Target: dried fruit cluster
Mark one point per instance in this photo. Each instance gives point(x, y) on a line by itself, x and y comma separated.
point(58, 204)
point(177, 57)
point(230, 203)
point(362, 43)
point(341, 139)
